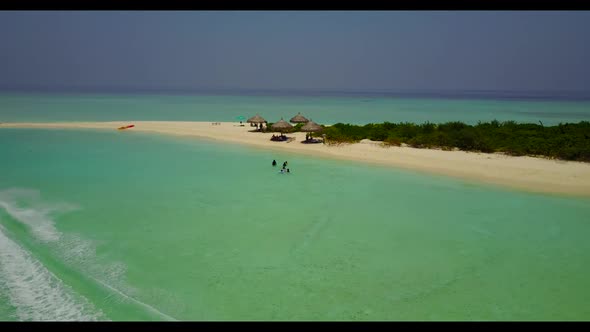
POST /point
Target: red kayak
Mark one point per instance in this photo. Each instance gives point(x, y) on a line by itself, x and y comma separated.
point(126, 127)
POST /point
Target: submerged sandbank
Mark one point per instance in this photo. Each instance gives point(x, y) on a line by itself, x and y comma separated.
point(524, 173)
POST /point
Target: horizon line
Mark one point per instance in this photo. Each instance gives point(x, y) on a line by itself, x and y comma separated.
point(534, 94)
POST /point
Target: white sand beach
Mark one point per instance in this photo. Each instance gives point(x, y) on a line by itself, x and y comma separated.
point(523, 173)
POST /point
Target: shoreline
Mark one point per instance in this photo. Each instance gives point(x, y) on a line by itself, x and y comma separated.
point(531, 174)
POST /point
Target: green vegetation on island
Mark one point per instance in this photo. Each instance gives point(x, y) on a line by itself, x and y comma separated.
point(569, 141)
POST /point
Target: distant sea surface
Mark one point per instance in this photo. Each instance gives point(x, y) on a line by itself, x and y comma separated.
point(327, 107)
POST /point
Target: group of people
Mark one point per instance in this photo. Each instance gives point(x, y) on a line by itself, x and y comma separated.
point(278, 137)
point(284, 169)
point(257, 125)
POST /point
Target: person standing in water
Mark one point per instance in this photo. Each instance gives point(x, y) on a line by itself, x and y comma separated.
point(274, 162)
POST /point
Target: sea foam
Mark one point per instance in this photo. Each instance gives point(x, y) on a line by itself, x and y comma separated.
point(35, 292)
point(32, 289)
point(38, 216)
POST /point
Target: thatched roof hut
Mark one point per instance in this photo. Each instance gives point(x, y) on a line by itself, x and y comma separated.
point(281, 126)
point(311, 127)
point(256, 119)
point(298, 119)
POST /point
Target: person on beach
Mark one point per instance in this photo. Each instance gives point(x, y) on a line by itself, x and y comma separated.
point(285, 164)
point(274, 162)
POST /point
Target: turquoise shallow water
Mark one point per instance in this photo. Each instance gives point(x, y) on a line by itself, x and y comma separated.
point(130, 226)
point(322, 109)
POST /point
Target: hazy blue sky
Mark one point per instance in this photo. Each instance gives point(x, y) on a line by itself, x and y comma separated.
point(334, 50)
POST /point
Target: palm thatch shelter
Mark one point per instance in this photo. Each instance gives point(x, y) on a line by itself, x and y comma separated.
point(257, 119)
point(281, 126)
point(298, 119)
point(311, 127)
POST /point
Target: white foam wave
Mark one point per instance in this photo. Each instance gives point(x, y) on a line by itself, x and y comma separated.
point(72, 249)
point(35, 292)
point(38, 218)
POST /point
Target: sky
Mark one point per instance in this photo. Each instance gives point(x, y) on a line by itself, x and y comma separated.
point(338, 50)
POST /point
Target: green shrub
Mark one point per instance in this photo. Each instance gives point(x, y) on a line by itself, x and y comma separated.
point(569, 141)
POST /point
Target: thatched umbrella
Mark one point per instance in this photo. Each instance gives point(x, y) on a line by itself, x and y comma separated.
point(298, 119)
point(256, 119)
point(281, 126)
point(311, 127)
